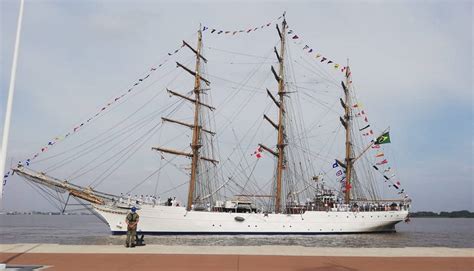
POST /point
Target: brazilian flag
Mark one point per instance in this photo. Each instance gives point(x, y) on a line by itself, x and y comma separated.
point(384, 138)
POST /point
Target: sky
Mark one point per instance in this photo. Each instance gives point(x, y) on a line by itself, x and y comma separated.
point(411, 62)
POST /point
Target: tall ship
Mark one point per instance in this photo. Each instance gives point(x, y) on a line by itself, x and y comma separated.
point(285, 147)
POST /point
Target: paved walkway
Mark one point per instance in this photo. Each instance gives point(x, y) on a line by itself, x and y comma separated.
point(242, 250)
point(156, 257)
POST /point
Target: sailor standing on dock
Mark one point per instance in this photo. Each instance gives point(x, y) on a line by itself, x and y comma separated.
point(132, 222)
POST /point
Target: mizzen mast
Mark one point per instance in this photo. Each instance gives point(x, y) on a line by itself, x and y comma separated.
point(280, 154)
point(347, 122)
point(195, 126)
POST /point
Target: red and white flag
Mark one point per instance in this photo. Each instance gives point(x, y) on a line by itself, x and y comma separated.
point(369, 133)
point(384, 161)
point(258, 152)
point(360, 113)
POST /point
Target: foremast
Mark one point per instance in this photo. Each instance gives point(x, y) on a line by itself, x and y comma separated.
point(281, 112)
point(196, 126)
point(280, 154)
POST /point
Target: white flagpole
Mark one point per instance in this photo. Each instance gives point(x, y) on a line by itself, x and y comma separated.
point(6, 126)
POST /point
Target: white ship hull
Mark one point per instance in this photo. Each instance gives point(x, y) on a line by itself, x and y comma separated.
point(162, 220)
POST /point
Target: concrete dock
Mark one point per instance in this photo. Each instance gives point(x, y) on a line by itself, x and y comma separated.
point(157, 257)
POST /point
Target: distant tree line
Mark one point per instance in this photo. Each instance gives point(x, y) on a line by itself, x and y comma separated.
point(453, 214)
point(45, 213)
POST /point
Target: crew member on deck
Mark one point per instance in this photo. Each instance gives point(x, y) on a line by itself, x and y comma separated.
point(132, 222)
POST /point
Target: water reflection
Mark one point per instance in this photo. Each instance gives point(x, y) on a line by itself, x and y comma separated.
point(420, 232)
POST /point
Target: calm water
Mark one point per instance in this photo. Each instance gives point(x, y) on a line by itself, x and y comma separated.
point(420, 232)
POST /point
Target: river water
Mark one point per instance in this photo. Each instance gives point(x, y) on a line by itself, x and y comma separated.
point(88, 229)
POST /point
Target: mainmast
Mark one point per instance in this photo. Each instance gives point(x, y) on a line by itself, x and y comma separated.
point(281, 115)
point(196, 127)
point(347, 124)
point(195, 145)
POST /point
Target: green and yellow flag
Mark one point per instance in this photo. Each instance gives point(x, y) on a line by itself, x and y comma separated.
point(384, 138)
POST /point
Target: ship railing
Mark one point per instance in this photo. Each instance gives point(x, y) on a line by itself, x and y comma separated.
point(362, 206)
